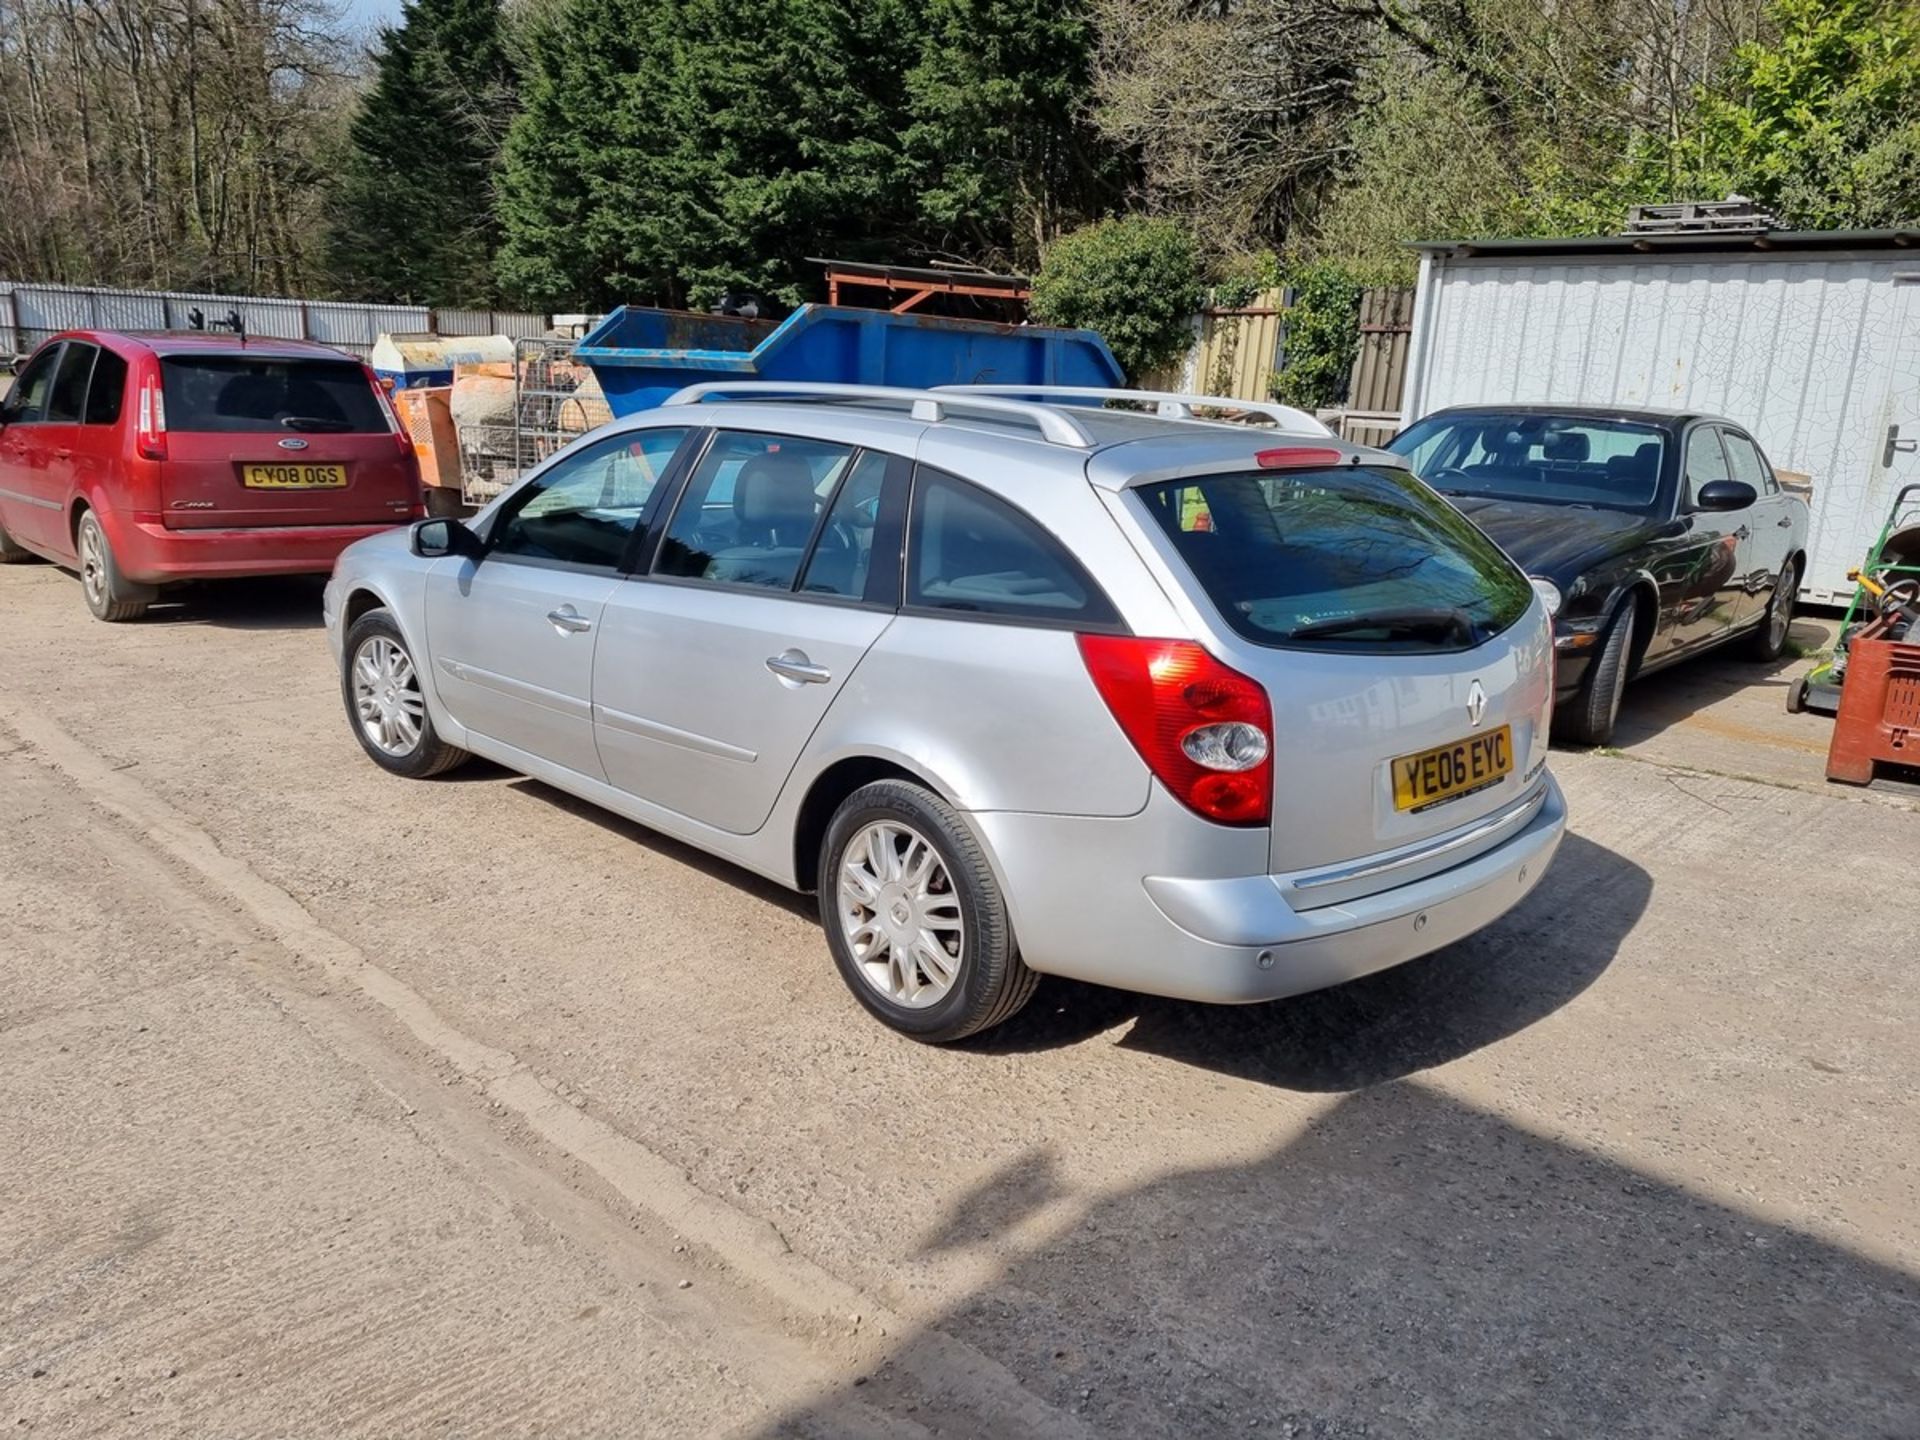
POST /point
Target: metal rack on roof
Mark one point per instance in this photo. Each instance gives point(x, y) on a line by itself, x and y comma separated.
point(1054, 424)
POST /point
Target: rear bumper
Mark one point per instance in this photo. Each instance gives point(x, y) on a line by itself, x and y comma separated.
point(1237, 939)
point(151, 554)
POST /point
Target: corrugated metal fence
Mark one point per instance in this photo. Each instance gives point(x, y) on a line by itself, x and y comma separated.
point(30, 313)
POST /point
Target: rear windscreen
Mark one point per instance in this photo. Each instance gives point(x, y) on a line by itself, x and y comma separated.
point(238, 394)
point(1339, 559)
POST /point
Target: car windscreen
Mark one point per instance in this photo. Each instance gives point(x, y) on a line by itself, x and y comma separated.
point(242, 394)
point(1347, 558)
point(1547, 459)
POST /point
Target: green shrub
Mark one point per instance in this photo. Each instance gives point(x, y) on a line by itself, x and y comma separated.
point(1322, 336)
point(1136, 281)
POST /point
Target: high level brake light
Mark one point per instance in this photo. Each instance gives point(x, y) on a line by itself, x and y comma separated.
point(1204, 729)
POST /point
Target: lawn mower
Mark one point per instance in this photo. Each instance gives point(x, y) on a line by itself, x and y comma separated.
point(1886, 596)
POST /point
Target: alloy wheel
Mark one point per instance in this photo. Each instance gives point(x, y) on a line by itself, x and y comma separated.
point(93, 563)
point(386, 696)
point(899, 914)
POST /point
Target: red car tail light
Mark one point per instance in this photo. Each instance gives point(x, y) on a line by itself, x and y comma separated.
point(1292, 456)
point(1204, 729)
point(381, 390)
point(150, 418)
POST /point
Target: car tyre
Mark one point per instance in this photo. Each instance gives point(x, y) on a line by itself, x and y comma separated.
point(385, 705)
point(1769, 639)
point(897, 855)
point(12, 552)
point(108, 593)
point(1589, 719)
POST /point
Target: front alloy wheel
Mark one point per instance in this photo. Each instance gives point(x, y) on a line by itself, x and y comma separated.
point(386, 695)
point(381, 686)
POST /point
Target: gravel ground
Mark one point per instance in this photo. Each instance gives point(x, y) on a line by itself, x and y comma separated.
point(342, 1105)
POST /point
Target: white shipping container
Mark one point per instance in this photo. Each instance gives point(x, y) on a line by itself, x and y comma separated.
point(1814, 349)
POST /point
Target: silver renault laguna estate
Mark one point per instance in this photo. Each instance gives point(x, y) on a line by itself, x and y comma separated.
point(1019, 682)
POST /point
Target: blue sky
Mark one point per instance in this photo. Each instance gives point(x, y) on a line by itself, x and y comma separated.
point(368, 13)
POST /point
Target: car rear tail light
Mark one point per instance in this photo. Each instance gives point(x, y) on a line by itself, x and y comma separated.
point(1205, 730)
point(150, 419)
point(381, 389)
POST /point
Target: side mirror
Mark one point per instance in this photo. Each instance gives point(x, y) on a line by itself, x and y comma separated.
point(432, 539)
point(1725, 495)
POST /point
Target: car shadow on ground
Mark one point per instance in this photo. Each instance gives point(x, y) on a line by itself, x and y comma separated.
point(289, 603)
point(1517, 971)
point(1404, 1265)
point(664, 845)
point(1673, 695)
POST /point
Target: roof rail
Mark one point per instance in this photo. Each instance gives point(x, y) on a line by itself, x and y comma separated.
point(1165, 402)
point(928, 405)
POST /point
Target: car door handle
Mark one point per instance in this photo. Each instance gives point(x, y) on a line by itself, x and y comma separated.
point(1745, 532)
point(1785, 522)
point(794, 665)
point(63, 454)
point(569, 621)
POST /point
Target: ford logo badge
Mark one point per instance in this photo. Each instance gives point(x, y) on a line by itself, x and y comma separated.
point(293, 443)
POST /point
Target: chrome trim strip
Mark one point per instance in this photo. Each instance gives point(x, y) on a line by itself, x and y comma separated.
point(29, 499)
point(1522, 811)
point(570, 706)
point(667, 735)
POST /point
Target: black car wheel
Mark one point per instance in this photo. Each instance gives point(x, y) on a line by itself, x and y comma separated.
point(1588, 719)
point(1769, 640)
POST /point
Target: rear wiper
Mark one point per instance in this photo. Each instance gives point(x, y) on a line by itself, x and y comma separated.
point(1437, 620)
point(315, 423)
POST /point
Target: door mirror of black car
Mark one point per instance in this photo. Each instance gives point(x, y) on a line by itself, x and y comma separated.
point(434, 538)
point(1725, 495)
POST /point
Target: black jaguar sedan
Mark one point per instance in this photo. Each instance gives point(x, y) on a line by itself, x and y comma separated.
point(1665, 533)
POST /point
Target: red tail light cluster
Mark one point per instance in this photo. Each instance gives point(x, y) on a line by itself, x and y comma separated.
point(150, 417)
point(1204, 729)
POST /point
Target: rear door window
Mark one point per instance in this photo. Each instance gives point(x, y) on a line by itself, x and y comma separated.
point(972, 553)
point(69, 394)
point(1346, 559)
point(243, 394)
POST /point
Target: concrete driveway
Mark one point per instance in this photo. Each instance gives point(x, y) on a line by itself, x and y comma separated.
point(342, 1105)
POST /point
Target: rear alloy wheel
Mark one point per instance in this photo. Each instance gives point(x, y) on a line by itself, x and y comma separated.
point(108, 593)
point(1589, 719)
point(1769, 640)
point(915, 918)
point(381, 686)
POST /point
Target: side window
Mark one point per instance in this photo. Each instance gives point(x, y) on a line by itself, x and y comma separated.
point(69, 394)
point(586, 506)
point(750, 509)
point(1744, 456)
point(971, 552)
point(843, 557)
point(1706, 461)
point(27, 400)
point(108, 391)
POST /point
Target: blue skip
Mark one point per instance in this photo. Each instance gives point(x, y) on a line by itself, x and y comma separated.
point(642, 355)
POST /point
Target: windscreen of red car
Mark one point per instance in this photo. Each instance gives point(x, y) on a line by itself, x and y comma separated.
point(1343, 558)
point(234, 394)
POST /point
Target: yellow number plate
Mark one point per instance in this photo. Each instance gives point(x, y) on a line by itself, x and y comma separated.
point(1447, 772)
point(294, 477)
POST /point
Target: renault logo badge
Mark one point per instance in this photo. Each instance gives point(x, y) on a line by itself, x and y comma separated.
point(1476, 703)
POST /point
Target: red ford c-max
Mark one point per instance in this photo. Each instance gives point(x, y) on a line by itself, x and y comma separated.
point(142, 459)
